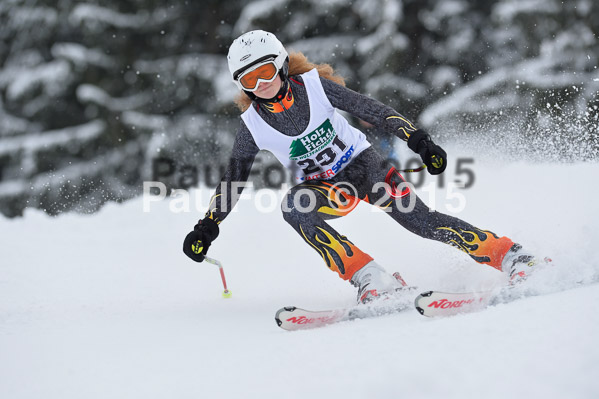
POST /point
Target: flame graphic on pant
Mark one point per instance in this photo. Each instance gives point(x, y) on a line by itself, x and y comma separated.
point(482, 245)
point(338, 252)
point(340, 202)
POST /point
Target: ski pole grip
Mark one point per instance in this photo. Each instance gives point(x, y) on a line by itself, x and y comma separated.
point(213, 261)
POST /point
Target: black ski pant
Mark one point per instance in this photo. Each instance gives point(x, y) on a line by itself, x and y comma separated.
point(372, 179)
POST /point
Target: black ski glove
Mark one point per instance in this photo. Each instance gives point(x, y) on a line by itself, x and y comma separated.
point(432, 155)
point(197, 242)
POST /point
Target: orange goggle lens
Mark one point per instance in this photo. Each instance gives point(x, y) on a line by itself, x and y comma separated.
point(266, 72)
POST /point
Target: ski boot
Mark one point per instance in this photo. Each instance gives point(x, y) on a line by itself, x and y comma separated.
point(520, 264)
point(374, 283)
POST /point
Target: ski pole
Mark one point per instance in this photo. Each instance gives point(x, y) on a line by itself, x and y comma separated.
point(413, 170)
point(226, 292)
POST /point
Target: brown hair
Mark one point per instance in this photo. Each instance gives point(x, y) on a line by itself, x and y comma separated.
point(298, 64)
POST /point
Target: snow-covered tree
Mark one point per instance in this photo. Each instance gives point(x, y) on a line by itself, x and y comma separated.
point(97, 96)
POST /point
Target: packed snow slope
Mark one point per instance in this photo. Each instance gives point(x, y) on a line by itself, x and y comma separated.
point(107, 306)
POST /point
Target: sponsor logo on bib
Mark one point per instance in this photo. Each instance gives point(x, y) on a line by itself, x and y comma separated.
point(313, 142)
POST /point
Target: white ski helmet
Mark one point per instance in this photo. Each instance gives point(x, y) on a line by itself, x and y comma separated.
point(253, 47)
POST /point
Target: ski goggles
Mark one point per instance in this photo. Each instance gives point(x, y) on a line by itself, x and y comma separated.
point(263, 72)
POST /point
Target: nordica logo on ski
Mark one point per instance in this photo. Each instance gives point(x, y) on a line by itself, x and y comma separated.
point(308, 145)
point(310, 320)
point(445, 304)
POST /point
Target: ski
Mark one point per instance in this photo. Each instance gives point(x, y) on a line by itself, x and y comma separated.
point(437, 303)
point(292, 318)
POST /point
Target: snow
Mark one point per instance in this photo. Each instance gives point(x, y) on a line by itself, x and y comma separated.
point(94, 94)
point(321, 49)
point(145, 121)
point(209, 68)
point(53, 77)
point(11, 125)
point(464, 95)
point(106, 305)
point(81, 55)
point(72, 175)
point(576, 37)
point(35, 141)
point(261, 9)
point(379, 14)
point(442, 77)
point(94, 15)
point(508, 10)
point(407, 88)
point(31, 16)
point(444, 9)
point(535, 72)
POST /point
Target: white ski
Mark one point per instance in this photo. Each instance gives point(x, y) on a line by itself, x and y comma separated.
point(437, 303)
point(292, 318)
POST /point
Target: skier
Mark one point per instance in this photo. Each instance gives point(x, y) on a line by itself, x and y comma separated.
point(289, 109)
